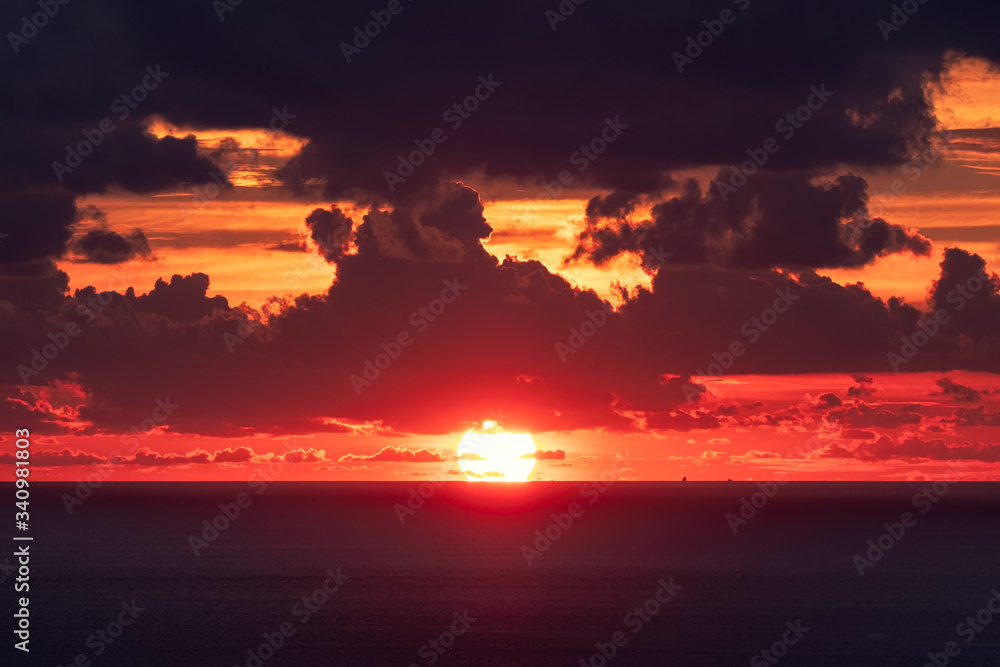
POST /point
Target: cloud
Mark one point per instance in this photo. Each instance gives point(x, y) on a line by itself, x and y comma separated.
point(310, 455)
point(979, 415)
point(331, 231)
point(234, 455)
point(857, 434)
point(396, 454)
point(959, 392)
point(761, 226)
point(103, 246)
point(864, 387)
point(862, 415)
point(183, 299)
point(910, 447)
point(505, 320)
point(147, 458)
point(546, 455)
point(753, 456)
point(47, 458)
point(826, 401)
point(969, 293)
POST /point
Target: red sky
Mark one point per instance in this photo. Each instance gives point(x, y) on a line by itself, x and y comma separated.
point(240, 399)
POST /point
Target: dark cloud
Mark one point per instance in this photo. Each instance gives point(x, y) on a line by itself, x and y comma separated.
point(970, 295)
point(826, 401)
point(864, 386)
point(979, 415)
point(37, 223)
point(183, 299)
point(49, 458)
point(507, 333)
point(774, 220)
point(497, 343)
point(861, 415)
point(104, 246)
point(959, 392)
point(331, 231)
point(914, 448)
point(544, 110)
point(33, 285)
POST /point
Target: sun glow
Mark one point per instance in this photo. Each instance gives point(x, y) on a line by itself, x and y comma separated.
point(489, 454)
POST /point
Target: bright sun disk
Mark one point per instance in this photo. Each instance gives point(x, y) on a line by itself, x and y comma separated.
point(489, 454)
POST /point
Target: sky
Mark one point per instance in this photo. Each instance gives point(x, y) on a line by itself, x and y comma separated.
point(703, 242)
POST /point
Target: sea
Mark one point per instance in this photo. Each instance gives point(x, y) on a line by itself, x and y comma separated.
point(537, 574)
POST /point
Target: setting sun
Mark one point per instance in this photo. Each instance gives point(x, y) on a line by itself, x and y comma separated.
point(489, 454)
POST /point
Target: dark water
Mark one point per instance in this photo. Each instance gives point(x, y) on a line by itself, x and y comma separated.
point(461, 552)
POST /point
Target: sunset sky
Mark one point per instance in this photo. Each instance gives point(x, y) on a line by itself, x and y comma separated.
point(779, 259)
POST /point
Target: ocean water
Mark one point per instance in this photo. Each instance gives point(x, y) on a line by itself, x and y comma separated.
point(461, 555)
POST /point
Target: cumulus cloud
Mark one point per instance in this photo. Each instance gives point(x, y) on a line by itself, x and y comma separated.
point(104, 246)
point(958, 392)
point(776, 220)
point(911, 447)
point(47, 458)
point(397, 454)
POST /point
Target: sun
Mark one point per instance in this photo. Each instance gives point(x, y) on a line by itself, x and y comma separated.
point(489, 454)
